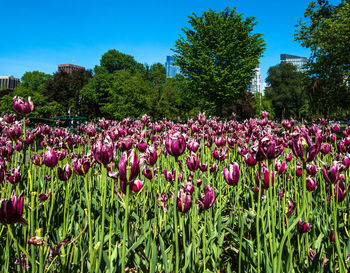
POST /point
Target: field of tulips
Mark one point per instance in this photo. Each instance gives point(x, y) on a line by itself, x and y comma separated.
point(201, 196)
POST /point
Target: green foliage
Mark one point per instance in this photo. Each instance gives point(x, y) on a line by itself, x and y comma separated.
point(263, 104)
point(286, 91)
point(325, 30)
point(218, 56)
point(114, 60)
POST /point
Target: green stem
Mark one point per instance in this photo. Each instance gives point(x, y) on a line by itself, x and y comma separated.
point(125, 226)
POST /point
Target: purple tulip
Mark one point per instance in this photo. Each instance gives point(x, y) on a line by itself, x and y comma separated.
point(142, 145)
point(290, 207)
point(331, 174)
point(208, 198)
point(175, 144)
point(311, 169)
point(129, 161)
point(11, 210)
point(269, 148)
point(250, 160)
point(303, 226)
point(10, 118)
point(64, 173)
point(44, 196)
point(81, 166)
point(50, 158)
point(303, 148)
point(202, 119)
point(222, 155)
point(22, 107)
point(326, 148)
point(203, 167)
point(136, 185)
point(36, 159)
point(103, 151)
point(340, 191)
point(310, 183)
point(280, 167)
point(232, 175)
point(188, 188)
point(162, 201)
point(184, 201)
point(15, 176)
point(289, 157)
point(213, 167)
point(193, 162)
point(264, 114)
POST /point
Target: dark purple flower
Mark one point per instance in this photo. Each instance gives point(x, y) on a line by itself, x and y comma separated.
point(290, 207)
point(162, 201)
point(81, 166)
point(332, 236)
point(64, 173)
point(44, 196)
point(208, 198)
point(175, 144)
point(129, 166)
point(232, 175)
point(50, 158)
point(250, 160)
point(184, 201)
point(303, 226)
point(11, 210)
point(310, 183)
point(220, 155)
point(193, 162)
point(103, 151)
point(303, 148)
point(22, 107)
point(188, 188)
point(331, 173)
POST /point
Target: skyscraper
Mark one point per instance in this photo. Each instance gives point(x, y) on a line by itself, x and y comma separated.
point(255, 84)
point(299, 62)
point(171, 70)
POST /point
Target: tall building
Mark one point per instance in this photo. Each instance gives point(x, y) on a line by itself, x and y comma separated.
point(255, 84)
point(8, 82)
point(70, 68)
point(171, 70)
point(299, 62)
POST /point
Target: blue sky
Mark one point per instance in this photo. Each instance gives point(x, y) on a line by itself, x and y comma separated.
point(39, 35)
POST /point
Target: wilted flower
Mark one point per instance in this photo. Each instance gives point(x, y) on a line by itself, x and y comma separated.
point(22, 107)
point(303, 226)
point(11, 210)
point(232, 175)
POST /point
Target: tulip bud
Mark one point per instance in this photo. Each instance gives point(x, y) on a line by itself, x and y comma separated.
point(303, 226)
point(11, 210)
point(175, 144)
point(64, 173)
point(22, 107)
point(50, 158)
point(232, 175)
point(184, 201)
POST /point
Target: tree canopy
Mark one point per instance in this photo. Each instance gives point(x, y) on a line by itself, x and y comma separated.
point(218, 55)
point(325, 30)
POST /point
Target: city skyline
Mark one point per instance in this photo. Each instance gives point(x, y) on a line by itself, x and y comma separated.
point(146, 31)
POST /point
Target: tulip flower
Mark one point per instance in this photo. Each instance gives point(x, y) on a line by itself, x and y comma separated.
point(232, 175)
point(50, 158)
point(36, 159)
point(302, 147)
point(44, 196)
point(64, 173)
point(81, 166)
point(193, 162)
point(10, 118)
point(312, 254)
point(22, 107)
point(213, 167)
point(303, 226)
point(290, 208)
point(175, 144)
point(311, 169)
point(203, 167)
point(136, 185)
point(267, 178)
point(15, 176)
point(280, 167)
point(264, 114)
point(183, 202)
point(310, 183)
point(103, 151)
point(222, 155)
point(142, 145)
point(129, 161)
point(250, 160)
point(269, 148)
point(11, 210)
point(147, 172)
point(340, 191)
point(188, 188)
point(331, 174)
point(208, 198)
point(325, 148)
point(202, 119)
point(162, 201)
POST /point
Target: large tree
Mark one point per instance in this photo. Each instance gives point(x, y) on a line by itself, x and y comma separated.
point(217, 55)
point(286, 90)
point(325, 30)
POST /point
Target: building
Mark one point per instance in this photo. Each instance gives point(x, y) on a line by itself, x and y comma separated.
point(8, 82)
point(299, 62)
point(255, 84)
point(171, 70)
point(70, 68)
